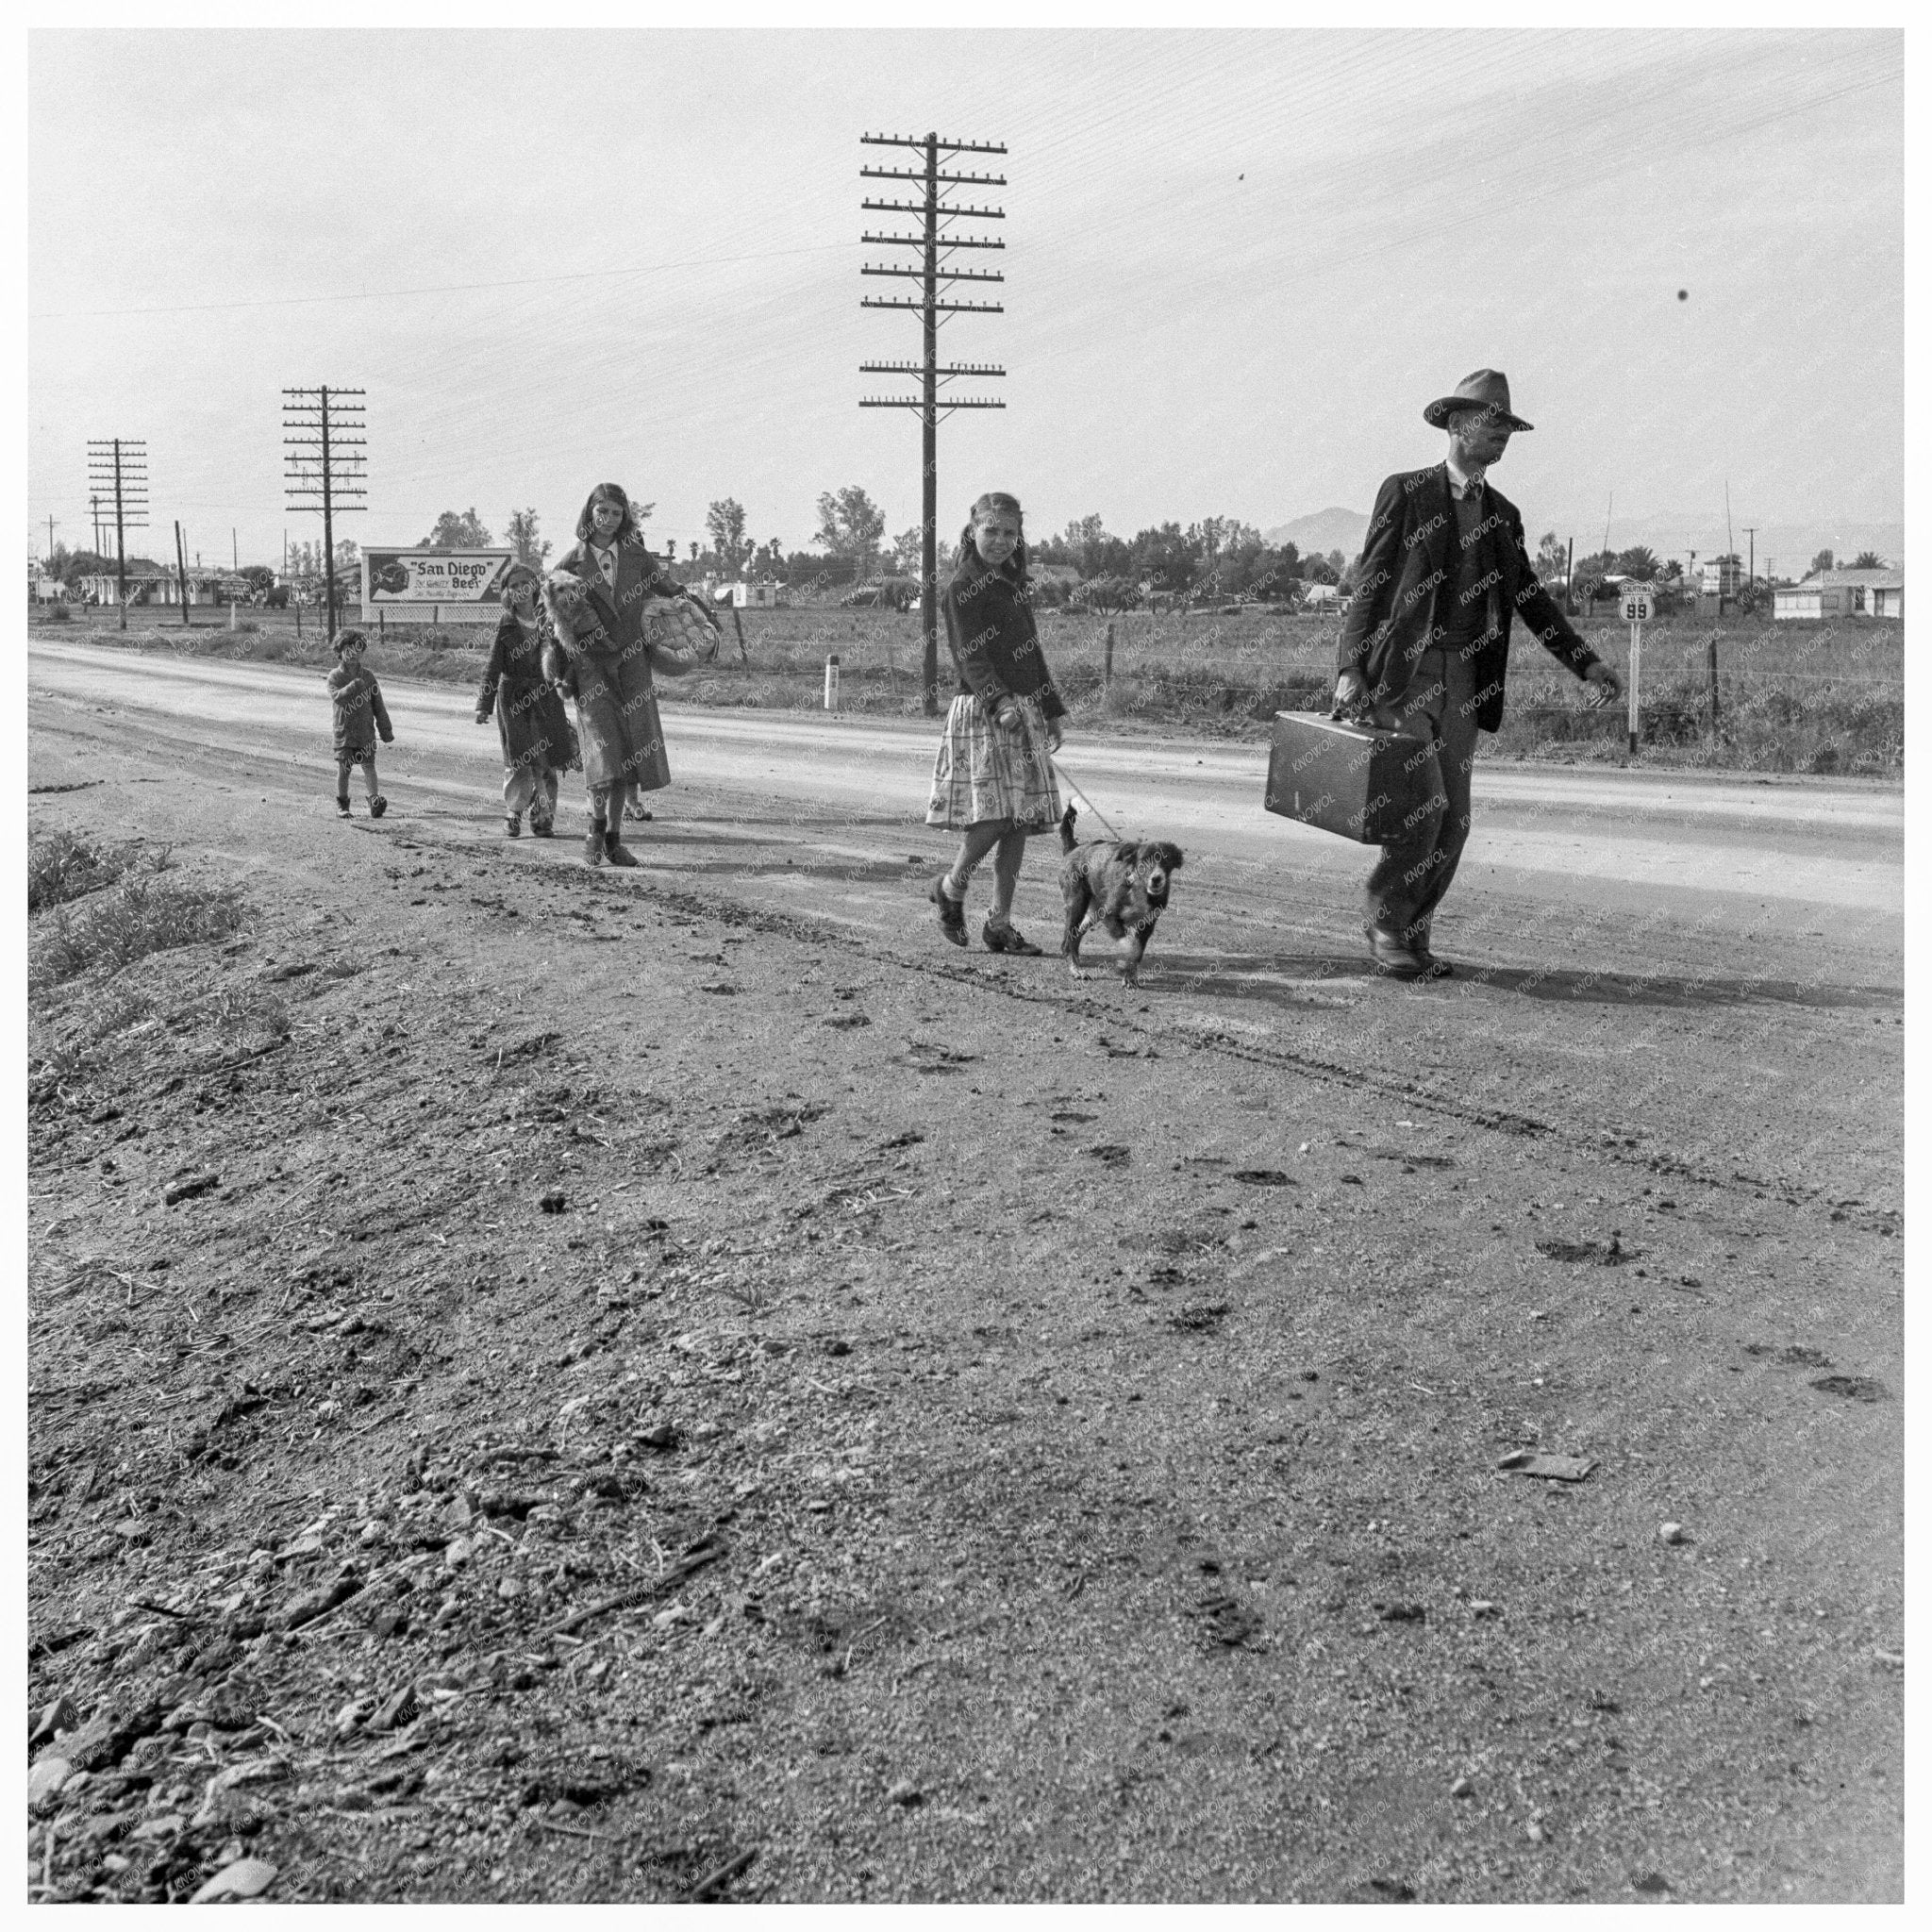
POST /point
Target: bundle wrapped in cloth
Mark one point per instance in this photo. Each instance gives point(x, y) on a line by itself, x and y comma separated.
point(681, 624)
point(621, 732)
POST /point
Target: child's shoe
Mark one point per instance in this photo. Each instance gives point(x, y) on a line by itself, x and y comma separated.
point(952, 911)
point(593, 845)
point(342, 807)
point(616, 851)
point(377, 805)
point(513, 825)
point(1007, 938)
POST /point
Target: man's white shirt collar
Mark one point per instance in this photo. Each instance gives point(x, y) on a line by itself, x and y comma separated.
point(1459, 483)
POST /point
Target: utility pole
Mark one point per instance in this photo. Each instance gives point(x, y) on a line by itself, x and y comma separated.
point(50, 540)
point(936, 243)
point(94, 503)
point(121, 466)
point(326, 467)
point(1751, 531)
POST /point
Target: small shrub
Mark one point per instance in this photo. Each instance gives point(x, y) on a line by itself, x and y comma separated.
point(143, 914)
point(63, 867)
point(56, 613)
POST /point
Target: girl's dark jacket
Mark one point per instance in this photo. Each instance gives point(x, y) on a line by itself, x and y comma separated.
point(359, 710)
point(529, 714)
point(602, 657)
point(1408, 582)
point(994, 642)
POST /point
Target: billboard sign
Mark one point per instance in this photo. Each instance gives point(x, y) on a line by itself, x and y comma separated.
point(459, 582)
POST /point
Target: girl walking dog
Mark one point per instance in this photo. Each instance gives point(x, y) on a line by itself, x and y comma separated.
point(360, 714)
point(617, 615)
point(993, 780)
point(538, 741)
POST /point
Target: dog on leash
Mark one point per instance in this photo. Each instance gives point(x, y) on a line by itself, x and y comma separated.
point(1118, 884)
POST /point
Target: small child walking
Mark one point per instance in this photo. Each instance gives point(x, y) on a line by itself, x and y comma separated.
point(360, 713)
point(993, 780)
point(538, 743)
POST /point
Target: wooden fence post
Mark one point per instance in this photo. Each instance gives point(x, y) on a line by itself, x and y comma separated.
point(1106, 663)
point(1713, 683)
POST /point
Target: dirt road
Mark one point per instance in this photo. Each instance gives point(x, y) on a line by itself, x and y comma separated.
point(1103, 1391)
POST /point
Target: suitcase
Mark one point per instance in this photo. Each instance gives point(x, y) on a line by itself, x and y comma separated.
point(1365, 783)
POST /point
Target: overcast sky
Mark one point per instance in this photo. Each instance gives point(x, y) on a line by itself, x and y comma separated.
point(1238, 266)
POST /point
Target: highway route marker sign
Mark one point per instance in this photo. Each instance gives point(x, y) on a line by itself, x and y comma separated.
point(1637, 613)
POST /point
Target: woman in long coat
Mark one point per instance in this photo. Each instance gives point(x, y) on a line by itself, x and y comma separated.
point(538, 741)
point(617, 615)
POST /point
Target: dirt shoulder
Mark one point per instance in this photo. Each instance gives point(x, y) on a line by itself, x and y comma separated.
point(639, 1392)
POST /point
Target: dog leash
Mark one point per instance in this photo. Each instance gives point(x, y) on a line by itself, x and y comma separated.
point(1084, 799)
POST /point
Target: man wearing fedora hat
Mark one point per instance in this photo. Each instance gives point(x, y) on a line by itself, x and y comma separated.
point(1425, 647)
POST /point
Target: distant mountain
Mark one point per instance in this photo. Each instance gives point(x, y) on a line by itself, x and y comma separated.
point(1325, 531)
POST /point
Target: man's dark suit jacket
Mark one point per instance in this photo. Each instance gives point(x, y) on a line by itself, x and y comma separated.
point(1408, 582)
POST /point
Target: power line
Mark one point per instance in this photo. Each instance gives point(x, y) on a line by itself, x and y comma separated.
point(325, 464)
point(121, 466)
point(647, 268)
point(938, 279)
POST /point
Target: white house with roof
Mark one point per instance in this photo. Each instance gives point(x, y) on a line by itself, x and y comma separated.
point(1842, 593)
point(146, 584)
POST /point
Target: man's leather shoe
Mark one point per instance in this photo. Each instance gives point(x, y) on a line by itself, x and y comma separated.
point(1393, 960)
point(1433, 968)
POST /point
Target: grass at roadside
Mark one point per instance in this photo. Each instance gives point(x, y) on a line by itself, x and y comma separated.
point(108, 905)
point(65, 866)
point(1818, 698)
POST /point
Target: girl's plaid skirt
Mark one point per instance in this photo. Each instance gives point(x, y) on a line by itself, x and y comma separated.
point(983, 772)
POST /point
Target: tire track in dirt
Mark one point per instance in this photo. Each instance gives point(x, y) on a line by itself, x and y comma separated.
point(733, 912)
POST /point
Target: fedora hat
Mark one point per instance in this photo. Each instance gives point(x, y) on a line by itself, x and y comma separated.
point(1487, 388)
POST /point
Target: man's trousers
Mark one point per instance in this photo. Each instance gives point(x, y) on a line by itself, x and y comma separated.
point(1415, 870)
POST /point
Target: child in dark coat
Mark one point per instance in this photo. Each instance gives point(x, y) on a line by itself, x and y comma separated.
point(360, 713)
point(538, 741)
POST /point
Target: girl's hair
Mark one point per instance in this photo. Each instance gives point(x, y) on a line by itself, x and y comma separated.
point(511, 576)
point(627, 531)
point(345, 637)
point(1015, 566)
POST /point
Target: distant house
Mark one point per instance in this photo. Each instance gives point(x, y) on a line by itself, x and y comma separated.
point(1721, 575)
point(1842, 593)
point(1318, 597)
point(146, 584)
point(758, 596)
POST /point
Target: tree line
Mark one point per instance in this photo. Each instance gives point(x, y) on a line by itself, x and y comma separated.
point(1220, 558)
